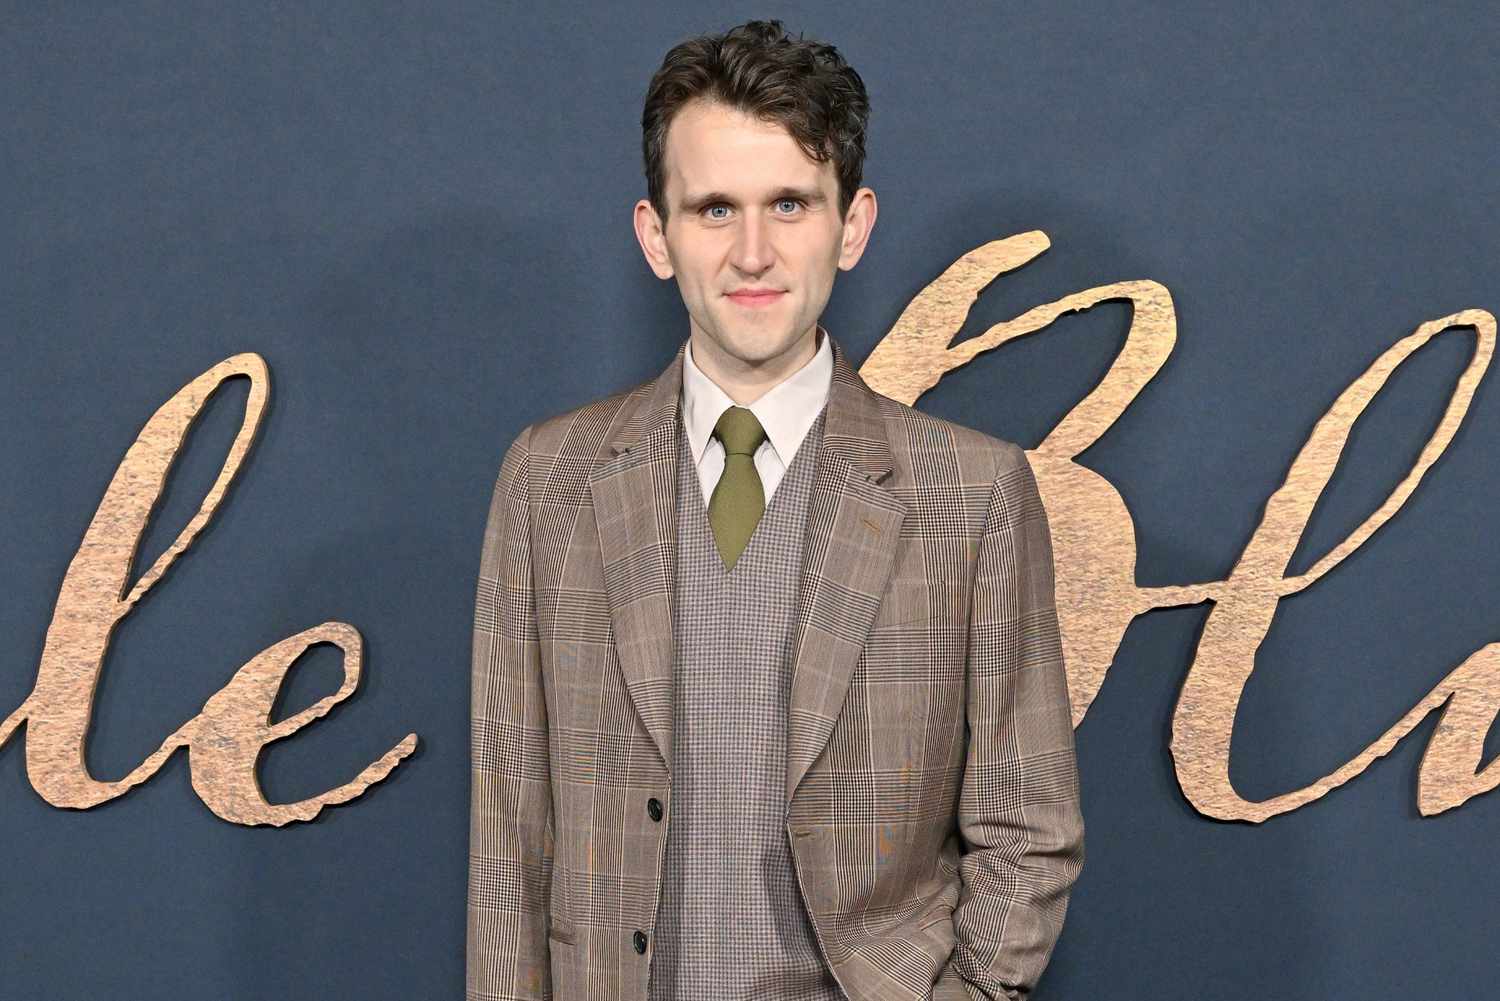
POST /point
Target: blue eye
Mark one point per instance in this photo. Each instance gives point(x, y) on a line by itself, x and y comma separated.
point(709, 210)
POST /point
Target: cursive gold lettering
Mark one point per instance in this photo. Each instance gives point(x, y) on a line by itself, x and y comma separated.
point(227, 736)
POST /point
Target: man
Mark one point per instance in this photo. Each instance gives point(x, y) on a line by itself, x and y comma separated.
point(768, 699)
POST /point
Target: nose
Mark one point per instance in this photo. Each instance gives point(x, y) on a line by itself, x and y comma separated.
point(752, 251)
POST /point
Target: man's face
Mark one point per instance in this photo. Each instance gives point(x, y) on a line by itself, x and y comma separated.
point(748, 209)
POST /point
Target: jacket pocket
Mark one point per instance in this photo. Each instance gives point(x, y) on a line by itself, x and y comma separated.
point(918, 599)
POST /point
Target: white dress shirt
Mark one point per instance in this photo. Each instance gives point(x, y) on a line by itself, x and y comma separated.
point(786, 411)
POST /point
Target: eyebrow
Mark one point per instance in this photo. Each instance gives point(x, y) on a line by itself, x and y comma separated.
point(811, 196)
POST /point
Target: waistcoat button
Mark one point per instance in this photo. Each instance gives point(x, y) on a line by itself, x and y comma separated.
point(640, 941)
point(653, 807)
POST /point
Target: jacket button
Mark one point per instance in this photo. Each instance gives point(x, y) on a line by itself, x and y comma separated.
point(653, 807)
point(640, 941)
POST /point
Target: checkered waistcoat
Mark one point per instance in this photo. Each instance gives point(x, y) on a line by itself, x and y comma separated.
point(731, 925)
point(932, 801)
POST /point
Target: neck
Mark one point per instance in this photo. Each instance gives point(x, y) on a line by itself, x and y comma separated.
point(745, 382)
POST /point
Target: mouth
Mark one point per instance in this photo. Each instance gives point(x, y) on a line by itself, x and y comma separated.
point(755, 300)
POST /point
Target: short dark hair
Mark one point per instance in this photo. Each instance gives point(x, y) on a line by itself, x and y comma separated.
point(803, 85)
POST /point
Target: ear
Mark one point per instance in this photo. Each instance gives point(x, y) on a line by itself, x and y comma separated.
point(858, 222)
point(651, 235)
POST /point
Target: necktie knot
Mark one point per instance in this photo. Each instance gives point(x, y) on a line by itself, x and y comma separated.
point(740, 431)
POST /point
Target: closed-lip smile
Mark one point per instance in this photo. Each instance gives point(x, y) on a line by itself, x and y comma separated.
point(756, 296)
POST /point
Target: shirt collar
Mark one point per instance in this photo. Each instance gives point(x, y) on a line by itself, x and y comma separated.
point(787, 410)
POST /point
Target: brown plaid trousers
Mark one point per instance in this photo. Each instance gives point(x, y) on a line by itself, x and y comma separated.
point(932, 790)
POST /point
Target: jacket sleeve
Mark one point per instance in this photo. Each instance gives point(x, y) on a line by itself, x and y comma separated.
point(1019, 811)
point(510, 820)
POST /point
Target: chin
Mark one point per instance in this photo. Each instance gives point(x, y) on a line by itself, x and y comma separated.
point(759, 349)
point(748, 341)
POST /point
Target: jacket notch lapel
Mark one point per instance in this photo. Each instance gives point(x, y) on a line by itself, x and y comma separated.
point(849, 549)
point(634, 489)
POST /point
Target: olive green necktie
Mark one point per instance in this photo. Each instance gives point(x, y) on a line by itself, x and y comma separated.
point(738, 499)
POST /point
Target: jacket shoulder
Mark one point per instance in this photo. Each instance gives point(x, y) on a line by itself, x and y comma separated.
point(930, 451)
point(583, 432)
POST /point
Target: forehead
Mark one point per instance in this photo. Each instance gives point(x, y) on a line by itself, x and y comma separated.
point(711, 146)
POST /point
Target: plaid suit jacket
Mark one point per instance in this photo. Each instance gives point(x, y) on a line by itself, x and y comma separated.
point(932, 790)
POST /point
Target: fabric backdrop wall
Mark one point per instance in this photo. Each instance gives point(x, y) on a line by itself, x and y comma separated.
point(420, 217)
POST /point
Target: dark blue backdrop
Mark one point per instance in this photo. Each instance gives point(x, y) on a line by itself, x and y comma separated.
point(420, 217)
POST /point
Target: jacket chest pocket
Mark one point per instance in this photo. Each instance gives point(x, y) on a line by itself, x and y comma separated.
point(910, 600)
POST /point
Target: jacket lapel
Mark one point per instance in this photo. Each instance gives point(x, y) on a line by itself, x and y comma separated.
point(847, 555)
point(848, 550)
point(634, 487)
